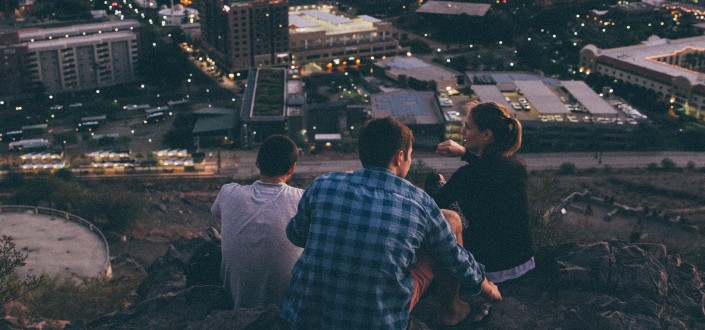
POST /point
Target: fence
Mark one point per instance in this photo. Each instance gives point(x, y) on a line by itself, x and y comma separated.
point(68, 216)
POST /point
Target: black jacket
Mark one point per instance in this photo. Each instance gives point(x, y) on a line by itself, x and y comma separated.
point(492, 194)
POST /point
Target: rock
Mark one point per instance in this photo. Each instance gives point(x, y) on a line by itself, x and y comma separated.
point(605, 285)
point(166, 275)
point(170, 311)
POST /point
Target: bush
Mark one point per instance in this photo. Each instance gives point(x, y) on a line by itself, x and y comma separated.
point(11, 286)
point(566, 168)
point(108, 207)
point(86, 299)
point(691, 165)
point(652, 167)
point(668, 164)
point(542, 195)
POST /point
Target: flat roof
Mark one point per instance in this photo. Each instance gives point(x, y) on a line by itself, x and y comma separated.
point(417, 68)
point(644, 55)
point(490, 93)
point(588, 98)
point(315, 18)
point(214, 124)
point(76, 29)
point(454, 8)
point(213, 111)
point(543, 99)
point(55, 245)
point(410, 107)
point(78, 40)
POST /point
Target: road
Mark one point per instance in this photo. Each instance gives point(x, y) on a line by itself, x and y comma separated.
point(244, 167)
point(240, 164)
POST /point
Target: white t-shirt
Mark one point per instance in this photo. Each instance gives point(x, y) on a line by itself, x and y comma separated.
point(257, 256)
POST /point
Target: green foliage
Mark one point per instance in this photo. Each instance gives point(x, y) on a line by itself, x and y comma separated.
point(417, 46)
point(543, 194)
point(12, 180)
point(668, 164)
point(110, 208)
point(113, 210)
point(164, 66)
point(652, 167)
point(566, 168)
point(180, 135)
point(11, 287)
point(69, 137)
point(78, 299)
point(691, 165)
point(269, 99)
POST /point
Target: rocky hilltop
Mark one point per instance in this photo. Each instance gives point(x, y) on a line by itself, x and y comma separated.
point(604, 285)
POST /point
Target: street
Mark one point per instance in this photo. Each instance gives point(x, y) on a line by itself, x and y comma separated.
point(243, 166)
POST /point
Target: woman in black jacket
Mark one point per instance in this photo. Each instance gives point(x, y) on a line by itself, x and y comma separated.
point(491, 191)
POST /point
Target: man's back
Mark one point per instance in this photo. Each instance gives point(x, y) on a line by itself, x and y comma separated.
point(257, 257)
point(361, 232)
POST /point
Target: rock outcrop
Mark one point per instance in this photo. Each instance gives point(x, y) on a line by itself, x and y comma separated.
point(605, 285)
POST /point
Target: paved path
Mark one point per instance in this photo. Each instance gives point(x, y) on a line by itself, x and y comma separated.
point(54, 245)
point(243, 167)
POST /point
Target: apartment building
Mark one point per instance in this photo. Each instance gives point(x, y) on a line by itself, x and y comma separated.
point(80, 57)
point(318, 33)
point(674, 69)
point(243, 35)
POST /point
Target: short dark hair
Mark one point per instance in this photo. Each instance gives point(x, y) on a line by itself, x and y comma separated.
point(380, 139)
point(276, 155)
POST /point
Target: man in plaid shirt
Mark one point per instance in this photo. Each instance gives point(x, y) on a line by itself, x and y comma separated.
point(363, 234)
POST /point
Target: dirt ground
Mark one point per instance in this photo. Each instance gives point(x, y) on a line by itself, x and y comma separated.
point(181, 209)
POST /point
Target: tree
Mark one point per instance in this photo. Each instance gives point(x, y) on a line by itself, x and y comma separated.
point(11, 287)
point(566, 168)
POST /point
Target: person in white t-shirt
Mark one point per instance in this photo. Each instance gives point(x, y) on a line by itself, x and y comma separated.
point(257, 257)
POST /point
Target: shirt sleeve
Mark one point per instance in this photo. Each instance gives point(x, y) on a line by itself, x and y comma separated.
point(215, 209)
point(298, 227)
point(452, 256)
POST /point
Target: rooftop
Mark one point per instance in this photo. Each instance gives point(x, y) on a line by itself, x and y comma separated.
point(454, 8)
point(315, 18)
point(417, 68)
point(410, 107)
point(645, 54)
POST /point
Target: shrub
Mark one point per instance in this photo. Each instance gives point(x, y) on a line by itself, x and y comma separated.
point(11, 286)
point(691, 165)
point(668, 164)
point(566, 168)
point(543, 194)
point(652, 167)
point(66, 298)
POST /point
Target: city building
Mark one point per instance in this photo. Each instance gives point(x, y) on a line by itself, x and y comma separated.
point(417, 109)
point(71, 58)
point(674, 69)
point(320, 34)
point(13, 71)
point(454, 8)
point(243, 35)
point(271, 105)
point(419, 74)
point(183, 17)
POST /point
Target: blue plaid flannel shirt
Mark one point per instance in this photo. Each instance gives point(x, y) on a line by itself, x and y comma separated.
point(360, 233)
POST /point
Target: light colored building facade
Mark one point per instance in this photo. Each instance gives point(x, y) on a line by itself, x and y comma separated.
point(674, 69)
point(320, 34)
point(81, 57)
point(243, 35)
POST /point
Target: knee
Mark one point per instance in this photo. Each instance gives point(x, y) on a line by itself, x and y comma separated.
point(453, 219)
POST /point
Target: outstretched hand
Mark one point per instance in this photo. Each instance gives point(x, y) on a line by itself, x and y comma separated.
point(450, 148)
point(490, 291)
